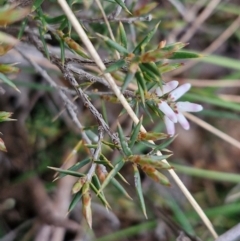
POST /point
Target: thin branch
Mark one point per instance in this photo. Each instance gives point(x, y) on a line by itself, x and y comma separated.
point(146, 18)
point(96, 154)
point(78, 28)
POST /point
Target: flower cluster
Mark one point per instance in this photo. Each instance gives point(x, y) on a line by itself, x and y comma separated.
point(172, 110)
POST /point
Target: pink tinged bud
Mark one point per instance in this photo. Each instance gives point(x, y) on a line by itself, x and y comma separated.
point(180, 91)
point(183, 121)
point(166, 88)
point(169, 126)
point(166, 109)
point(188, 107)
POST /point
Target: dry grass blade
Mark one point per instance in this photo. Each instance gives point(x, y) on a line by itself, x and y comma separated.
point(125, 104)
point(213, 130)
point(199, 20)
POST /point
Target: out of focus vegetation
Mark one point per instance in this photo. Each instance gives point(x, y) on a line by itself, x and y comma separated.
point(104, 169)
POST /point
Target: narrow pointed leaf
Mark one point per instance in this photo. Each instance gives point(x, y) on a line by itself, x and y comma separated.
point(122, 4)
point(44, 43)
point(100, 195)
point(127, 80)
point(36, 4)
point(138, 185)
point(114, 45)
point(152, 67)
point(127, 151)
point(67, 172)
point(5, 116)
point(75, 200)
point(75, 167)
point(135, 133)
point(145, 41)
point(120, 188)
point(7, 81)
point(167, 67)
point(185, 55)
point(111, 174)
point(109, 164)
point(141, 80)
point(116, 66)
point(23, 26)
point(156, 175)
point(141, 92)
point(174, 47)
point(123, 36)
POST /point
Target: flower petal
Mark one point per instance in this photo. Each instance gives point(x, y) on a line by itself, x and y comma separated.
point(188, 107)
point(169, 126)
point(171, 85)
point(181, 90)
point(166, 109)
point(183, 121)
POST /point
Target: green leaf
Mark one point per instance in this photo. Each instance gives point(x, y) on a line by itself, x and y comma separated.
point(141, 92)
point(36, 4)
point(122, 4)
point(123, 36)
point(67, 172)
point(109, 164)
point(96, 183)
point(4, 116)
point(120, 188)
point(139, 48)
point(44, 43)
point(138, 185)
point(8, 69)
point(99, 194)
point(174, 47)
point(141, 81)
point(75, 167)
point(207, 174)
point(127, 80)
point(23, 26)
point(55, 20)
point(167, 67)
point(135, 133)
point(185, 55)
point(113, 44)
point(75, 200)
point(127, 151)
point(155, 161)
point(111, 175)
point(7, 81)
point(117, 65)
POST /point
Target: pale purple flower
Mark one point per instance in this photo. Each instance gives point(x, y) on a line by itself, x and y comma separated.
point(172, 110)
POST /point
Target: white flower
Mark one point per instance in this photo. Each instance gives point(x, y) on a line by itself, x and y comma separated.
point(172, 109)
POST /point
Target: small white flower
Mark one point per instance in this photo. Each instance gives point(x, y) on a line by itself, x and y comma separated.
point(173, 110)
